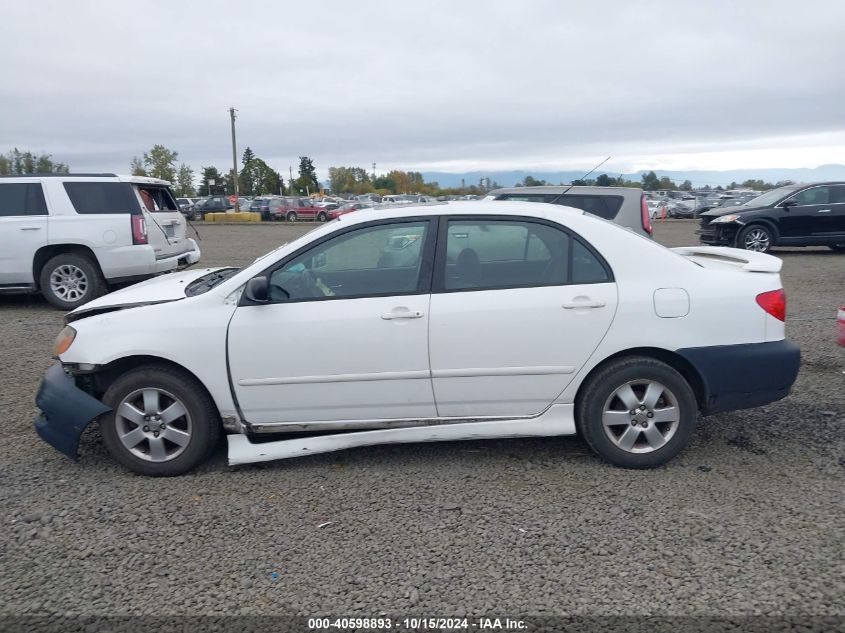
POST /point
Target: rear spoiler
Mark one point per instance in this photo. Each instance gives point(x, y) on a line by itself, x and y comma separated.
point(742, 259)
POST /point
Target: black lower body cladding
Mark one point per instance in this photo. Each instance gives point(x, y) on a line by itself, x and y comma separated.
point(744, 376)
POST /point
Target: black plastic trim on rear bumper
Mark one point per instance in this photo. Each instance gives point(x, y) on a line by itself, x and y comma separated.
point(746, 375)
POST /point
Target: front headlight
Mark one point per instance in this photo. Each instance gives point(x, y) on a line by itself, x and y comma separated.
point(726, 218)
point(63, 341)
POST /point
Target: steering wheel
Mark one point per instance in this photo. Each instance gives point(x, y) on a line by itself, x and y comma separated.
point(299, 284)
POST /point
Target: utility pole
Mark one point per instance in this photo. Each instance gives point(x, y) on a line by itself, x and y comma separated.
point(234, 159)
point(290, 179)
point(374, 170)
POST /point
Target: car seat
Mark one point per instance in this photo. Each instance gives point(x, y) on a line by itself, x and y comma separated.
point(468, 269)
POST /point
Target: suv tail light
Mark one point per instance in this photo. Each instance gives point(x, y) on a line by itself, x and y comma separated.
point(773, 302)
point(646, 216)
point(139, 229)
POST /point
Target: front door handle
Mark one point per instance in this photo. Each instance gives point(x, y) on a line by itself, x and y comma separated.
point(574, 305)
point(824, 210)
point(404, 314)
point(30, 228)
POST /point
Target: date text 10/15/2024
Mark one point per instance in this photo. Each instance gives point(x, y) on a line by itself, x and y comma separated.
point(417, 624)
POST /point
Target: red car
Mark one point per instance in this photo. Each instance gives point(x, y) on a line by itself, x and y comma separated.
point(347, 208)
point(293, 209)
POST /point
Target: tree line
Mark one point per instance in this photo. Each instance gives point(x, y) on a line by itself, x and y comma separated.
point(650, 181)
point(18, 163)
point(256, 177)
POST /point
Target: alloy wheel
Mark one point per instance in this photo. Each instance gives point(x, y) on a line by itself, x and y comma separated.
point(757, 240)
point(68, 282)
point(641, 416)
point(153, 424)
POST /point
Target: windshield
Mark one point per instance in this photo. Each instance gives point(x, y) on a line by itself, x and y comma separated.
point(771, 197)
point(207, 282)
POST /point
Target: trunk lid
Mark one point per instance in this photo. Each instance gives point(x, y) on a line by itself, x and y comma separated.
point(166, 226)
point(724, 258)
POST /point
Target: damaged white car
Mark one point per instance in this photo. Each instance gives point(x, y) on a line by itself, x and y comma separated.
point(462, 321)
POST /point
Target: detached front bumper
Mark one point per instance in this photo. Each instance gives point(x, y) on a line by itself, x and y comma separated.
point(719, 234)
point(65, 411)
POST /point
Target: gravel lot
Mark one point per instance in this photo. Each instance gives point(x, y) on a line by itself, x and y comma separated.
point(747, 521)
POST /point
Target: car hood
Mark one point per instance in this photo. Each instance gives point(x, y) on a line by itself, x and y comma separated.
point(161, 289)
point(740, 208)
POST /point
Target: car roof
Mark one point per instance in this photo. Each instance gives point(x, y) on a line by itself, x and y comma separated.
point(579, 189)
point(540, 210)
point(139, 180)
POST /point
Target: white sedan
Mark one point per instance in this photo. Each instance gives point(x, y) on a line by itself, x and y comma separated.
point(462, 321)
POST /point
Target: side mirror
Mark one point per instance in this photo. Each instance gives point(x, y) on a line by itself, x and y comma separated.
point(257, 290)
point(789, 203)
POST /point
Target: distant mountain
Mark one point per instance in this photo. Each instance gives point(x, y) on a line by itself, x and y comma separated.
point(698, 178)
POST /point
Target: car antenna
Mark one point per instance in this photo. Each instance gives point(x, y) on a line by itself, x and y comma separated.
point(563, 193)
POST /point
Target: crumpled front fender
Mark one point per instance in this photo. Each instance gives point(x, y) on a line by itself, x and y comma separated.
point(65, 411)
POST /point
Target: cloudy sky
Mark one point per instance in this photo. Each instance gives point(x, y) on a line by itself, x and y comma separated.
point(429, 85)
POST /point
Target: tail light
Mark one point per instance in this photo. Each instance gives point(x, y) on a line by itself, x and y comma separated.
point(139, 229)
point(773, 302)
point(646, 216)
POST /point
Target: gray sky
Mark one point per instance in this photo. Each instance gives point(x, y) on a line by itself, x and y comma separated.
point(449, 86)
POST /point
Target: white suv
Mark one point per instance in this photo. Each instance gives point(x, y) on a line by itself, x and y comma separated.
point(71, 236)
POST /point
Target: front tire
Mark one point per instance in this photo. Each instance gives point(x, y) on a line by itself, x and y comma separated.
point(322, 217)
point(162, 423)
point(68, 280)
point(756, 238)
point(838, 248)
point(291, 216)
point(636, 412)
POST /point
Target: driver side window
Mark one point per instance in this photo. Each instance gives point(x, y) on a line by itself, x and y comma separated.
point(814, 195)
point(372, 261)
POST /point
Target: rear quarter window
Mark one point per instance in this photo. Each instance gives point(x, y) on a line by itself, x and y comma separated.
point(100, 198)
point(606, 207)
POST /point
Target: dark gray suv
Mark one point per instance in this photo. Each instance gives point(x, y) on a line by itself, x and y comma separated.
point(625, 206)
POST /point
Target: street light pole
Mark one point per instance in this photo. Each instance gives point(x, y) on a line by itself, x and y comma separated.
point(234, 159)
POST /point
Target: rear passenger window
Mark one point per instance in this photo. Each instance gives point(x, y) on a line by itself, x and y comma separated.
point(606, 207)
point(21, 199)
point(102, 197)
point(497, 254)
point(837, 194)
point(516, 254)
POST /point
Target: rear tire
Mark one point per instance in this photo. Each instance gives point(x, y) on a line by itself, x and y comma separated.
point(838, 248)
point(663, 419)
point(70, 279)
point(291, 216)
point(171, 443)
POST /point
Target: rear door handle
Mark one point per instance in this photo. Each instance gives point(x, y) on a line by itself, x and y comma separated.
point(406, 314)
point(573, 305)
point(30, 228)
point(824, 210)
